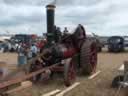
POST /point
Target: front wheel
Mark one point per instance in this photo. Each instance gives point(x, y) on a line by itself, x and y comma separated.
point(69, 72)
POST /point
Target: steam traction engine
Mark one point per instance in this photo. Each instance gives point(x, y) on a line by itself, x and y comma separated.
point(72, 52)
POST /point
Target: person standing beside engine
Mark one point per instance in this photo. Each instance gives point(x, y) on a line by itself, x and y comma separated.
point(22, 58)
point(57, 34)
point(34, 50)
point(65, 32)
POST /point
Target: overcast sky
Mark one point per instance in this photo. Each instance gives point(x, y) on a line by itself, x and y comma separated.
point(103, 17)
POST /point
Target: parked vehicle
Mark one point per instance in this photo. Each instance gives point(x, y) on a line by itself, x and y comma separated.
point(116, 44)
point(3, 47)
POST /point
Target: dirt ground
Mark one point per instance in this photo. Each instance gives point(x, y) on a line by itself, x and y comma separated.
point(108, 63)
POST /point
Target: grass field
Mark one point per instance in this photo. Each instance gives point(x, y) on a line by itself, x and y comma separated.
point(108, 63)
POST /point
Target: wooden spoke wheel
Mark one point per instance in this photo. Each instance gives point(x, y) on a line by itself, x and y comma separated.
point(69, 73)
point(88, 57)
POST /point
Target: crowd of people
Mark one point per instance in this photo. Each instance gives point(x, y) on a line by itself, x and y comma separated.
point(27, 52)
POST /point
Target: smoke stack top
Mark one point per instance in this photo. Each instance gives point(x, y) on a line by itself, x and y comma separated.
point(51, 6)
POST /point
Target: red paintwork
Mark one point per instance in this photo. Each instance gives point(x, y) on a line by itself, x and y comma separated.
point(69, 52)
point(40, 44)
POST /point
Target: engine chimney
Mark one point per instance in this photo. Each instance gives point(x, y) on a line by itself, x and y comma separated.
point(50, 22)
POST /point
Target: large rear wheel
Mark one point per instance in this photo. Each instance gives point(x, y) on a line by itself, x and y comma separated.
point(88, 57)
